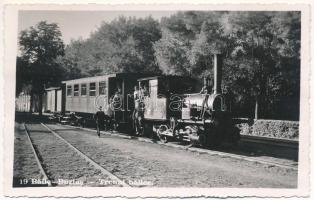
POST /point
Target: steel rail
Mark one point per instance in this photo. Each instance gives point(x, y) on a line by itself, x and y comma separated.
point(96, 165)
point(42, 171)
point(294, 144)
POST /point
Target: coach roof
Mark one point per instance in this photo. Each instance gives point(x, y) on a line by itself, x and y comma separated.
point(164, 77)
point(53, 88)
point(97, 78)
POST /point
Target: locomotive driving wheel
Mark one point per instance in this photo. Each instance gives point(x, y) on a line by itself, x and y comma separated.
point(163, 138)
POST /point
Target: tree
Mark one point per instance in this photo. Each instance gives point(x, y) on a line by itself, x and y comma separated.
point(22, 76)
point(171, 53)
point(209, 41)
point(261, 56)
point(262, 43)
point(123, 45)
point(40, 45)
point(172, 50)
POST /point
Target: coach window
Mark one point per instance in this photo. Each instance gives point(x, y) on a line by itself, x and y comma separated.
point(102, 88)
point(76, 90)
point(69, 90)
point(92, 89)
point(83, 90)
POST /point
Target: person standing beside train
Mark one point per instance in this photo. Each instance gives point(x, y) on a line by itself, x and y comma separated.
point(206, 89)
point(136, 96)
point(143, 92)
point(100, 120)
point(205, 92)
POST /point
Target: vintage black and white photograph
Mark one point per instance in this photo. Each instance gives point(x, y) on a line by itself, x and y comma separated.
point(157, 99)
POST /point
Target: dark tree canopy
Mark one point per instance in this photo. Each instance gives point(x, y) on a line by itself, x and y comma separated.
point(41, 43)
point(261, 56)
point(123, 45)
point(261, 53)
point(40, 46)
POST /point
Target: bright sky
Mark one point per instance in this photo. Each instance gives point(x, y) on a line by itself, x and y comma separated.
point(75, 24)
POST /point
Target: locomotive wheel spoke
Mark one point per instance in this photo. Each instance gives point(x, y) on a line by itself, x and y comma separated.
point(163, 138)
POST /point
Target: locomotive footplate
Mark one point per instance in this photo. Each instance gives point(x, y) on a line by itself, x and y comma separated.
point(199, 122)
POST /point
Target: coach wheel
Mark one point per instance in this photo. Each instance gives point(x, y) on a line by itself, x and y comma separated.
point(163, 138)
point(115, 126)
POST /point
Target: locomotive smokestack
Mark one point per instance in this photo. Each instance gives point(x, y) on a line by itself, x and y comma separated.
point(217, 73)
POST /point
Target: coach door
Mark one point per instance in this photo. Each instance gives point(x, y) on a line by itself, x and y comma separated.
point(115, 95)
point(103, 93)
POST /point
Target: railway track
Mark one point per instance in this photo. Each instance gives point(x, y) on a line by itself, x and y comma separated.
point(293, 144)
point(53, 154)
point(283, 163)
point(129, 160)
point(42, 171)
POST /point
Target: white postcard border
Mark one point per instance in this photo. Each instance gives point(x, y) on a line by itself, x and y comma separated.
point(10, 52)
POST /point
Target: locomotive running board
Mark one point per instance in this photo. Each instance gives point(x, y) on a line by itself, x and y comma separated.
point(188, 121)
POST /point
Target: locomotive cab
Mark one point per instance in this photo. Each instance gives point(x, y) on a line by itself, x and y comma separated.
point(163, 96)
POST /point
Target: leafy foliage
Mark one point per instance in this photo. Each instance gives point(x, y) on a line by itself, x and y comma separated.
point(40, 46)
point(123, 45)
point(261, 54)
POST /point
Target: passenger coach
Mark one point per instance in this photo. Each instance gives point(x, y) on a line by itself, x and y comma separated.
point(85, 96)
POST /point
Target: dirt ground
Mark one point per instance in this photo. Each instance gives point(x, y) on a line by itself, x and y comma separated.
point(63, 166)
point(25, 165)
point(140, 164)
point(148, 164)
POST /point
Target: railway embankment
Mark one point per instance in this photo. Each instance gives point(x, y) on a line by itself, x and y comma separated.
point(280, 129)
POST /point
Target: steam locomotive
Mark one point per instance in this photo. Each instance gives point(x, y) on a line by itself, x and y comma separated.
point(166, 106)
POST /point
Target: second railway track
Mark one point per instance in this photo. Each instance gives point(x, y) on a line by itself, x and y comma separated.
point(64, 165)
point(286, 143)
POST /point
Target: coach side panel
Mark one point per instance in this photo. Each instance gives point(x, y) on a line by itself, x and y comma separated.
point(83, 97)
point(51, 100)
point(59, 99)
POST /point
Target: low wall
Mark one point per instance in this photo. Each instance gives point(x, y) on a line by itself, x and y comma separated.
point(271, 128)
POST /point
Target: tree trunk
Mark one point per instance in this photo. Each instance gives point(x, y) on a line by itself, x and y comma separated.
point(40, 104)
point(31, 101)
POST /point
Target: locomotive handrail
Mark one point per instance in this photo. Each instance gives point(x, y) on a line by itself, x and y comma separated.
point(192, 94)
